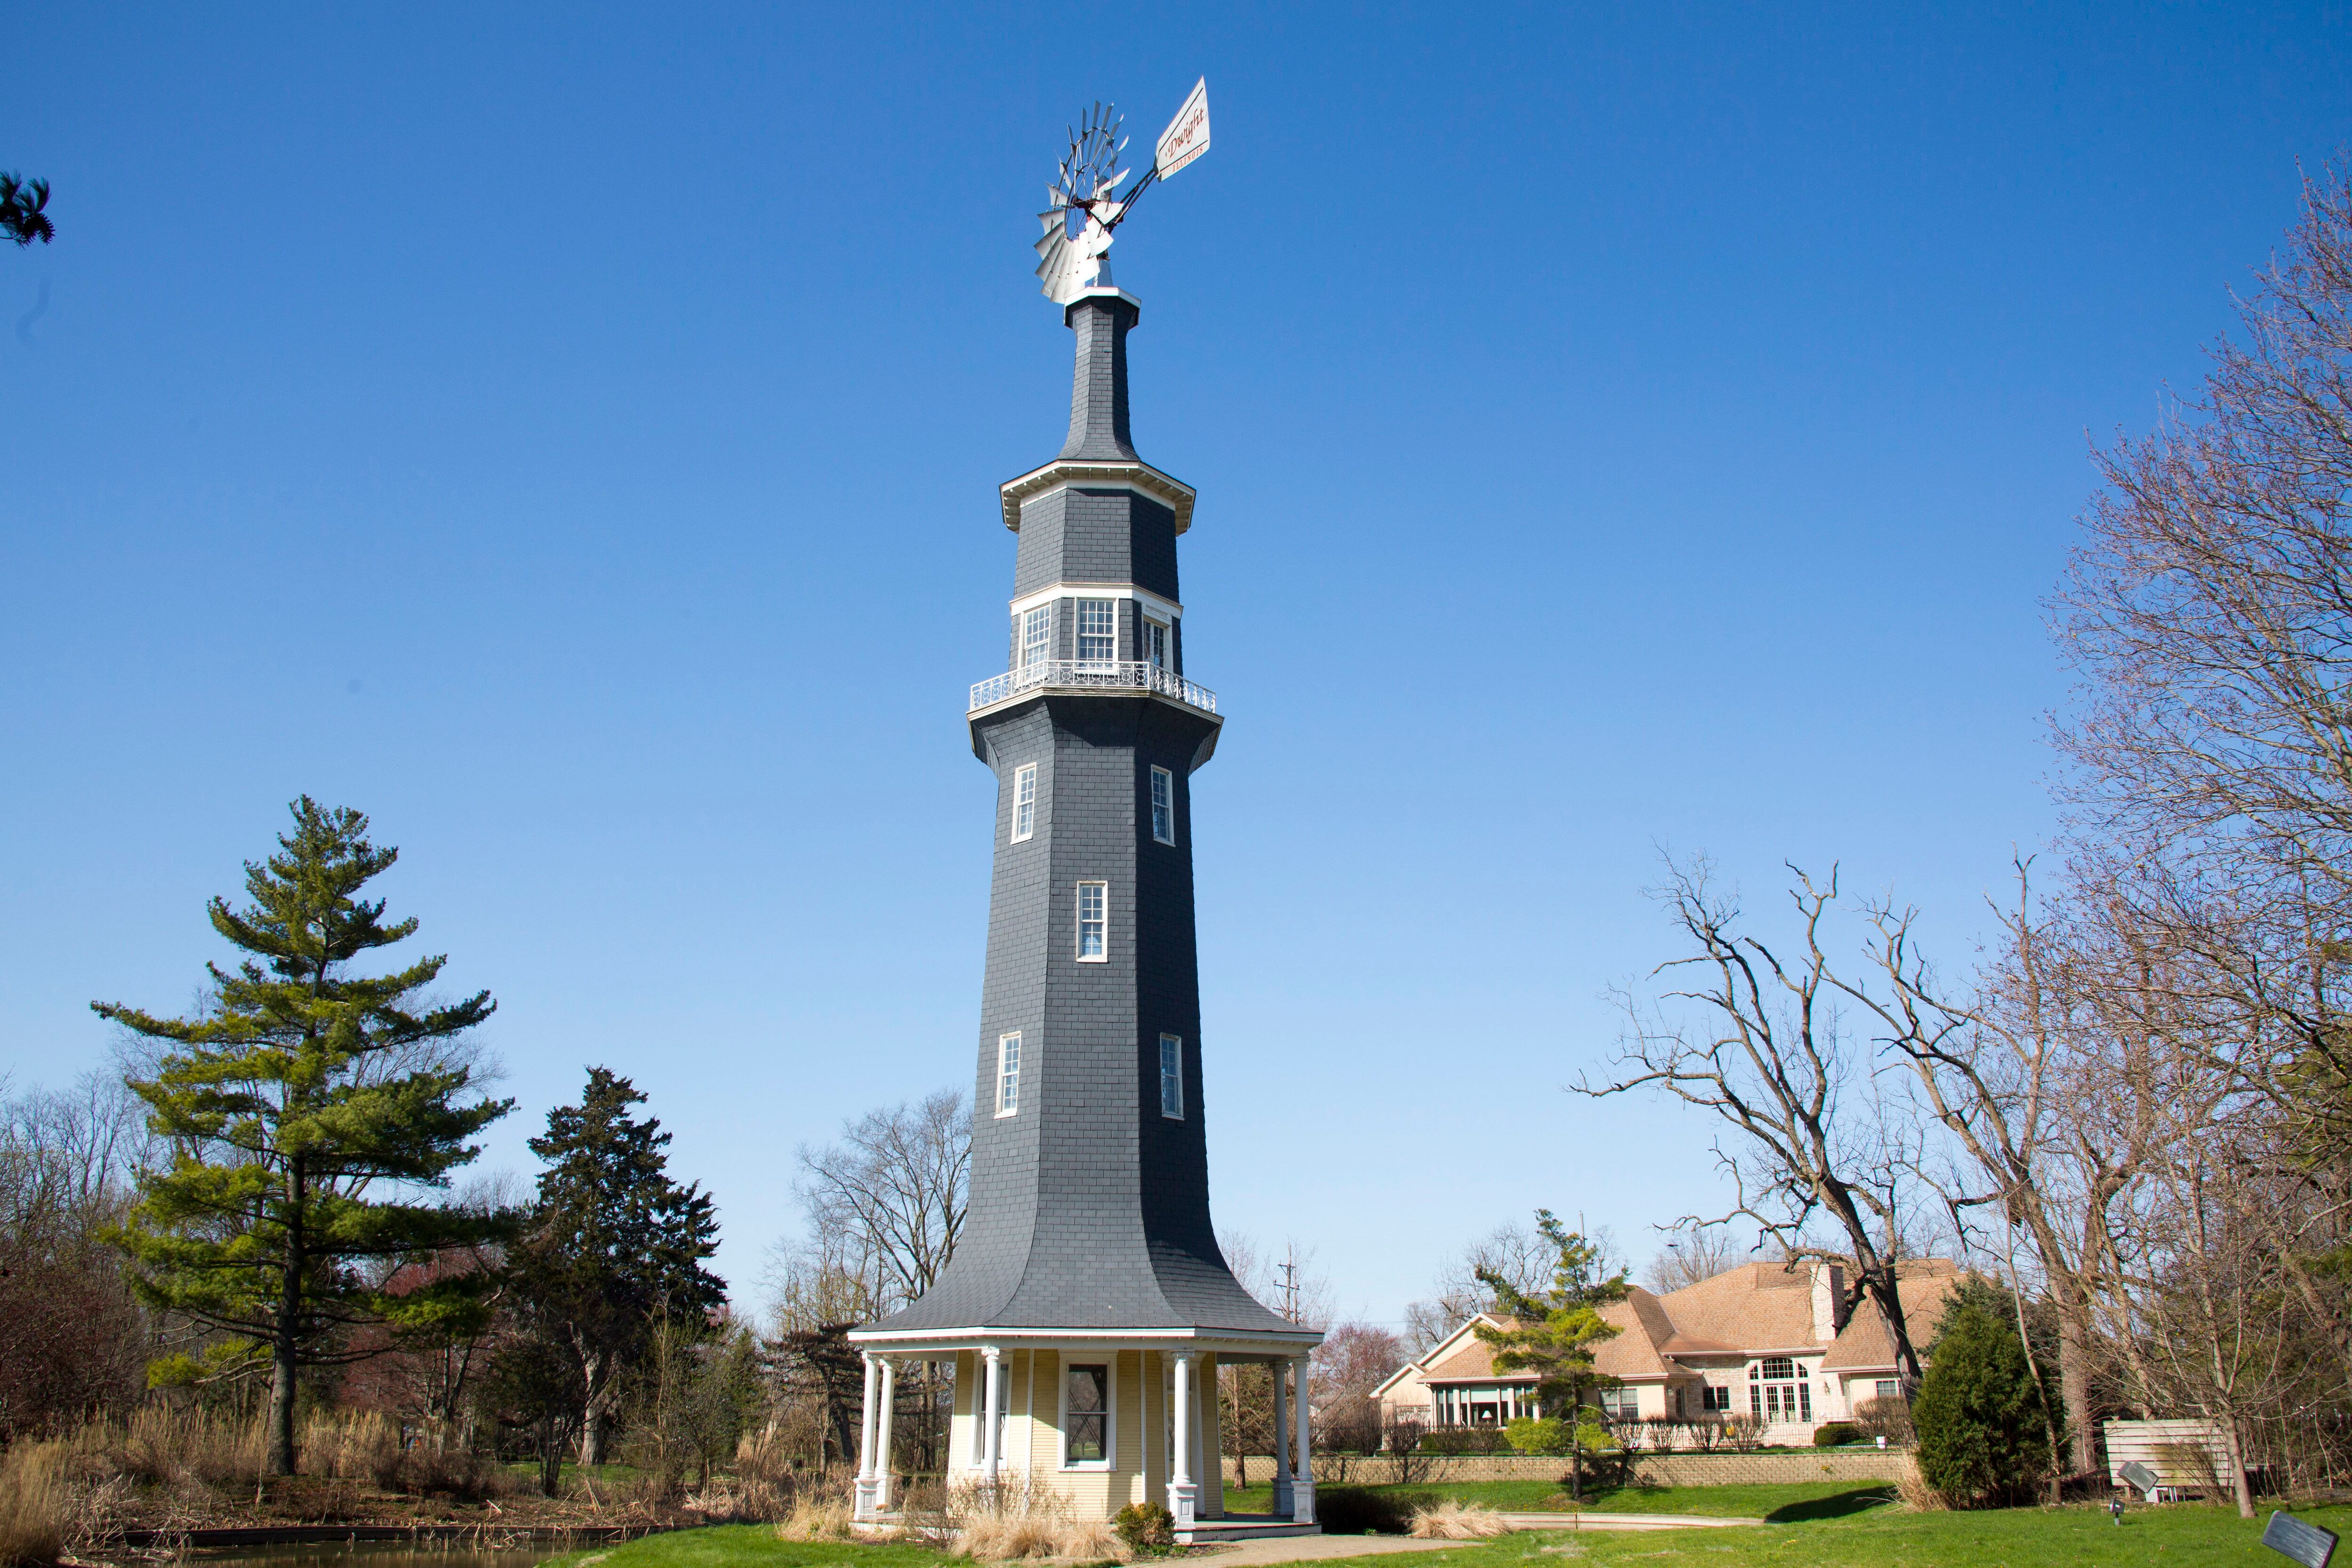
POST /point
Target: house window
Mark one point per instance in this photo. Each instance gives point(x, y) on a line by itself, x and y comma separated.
point(1036, 635)
point(1715, 1399)
point(1008, 1073)
point(1776, 1368)
point(1163, 806)
point(1172, 1076)
point(1888, 1388)
point(1097, 631)
point(1620, 1404)
point(1024, 801)
point(1094, 922)
point(1085, 1412)
point(1155, 643)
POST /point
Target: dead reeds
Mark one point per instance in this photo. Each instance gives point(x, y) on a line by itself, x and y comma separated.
point(1455, 1520)
point(34, 1504)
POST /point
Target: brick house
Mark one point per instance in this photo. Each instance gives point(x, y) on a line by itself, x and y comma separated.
point(1762, 1340)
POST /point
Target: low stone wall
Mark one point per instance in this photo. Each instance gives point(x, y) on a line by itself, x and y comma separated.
point(1661, 1470)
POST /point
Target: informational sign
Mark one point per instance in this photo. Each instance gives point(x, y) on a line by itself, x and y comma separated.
point(2141, 1479)
point(1187, 136)
point(2306, 1544)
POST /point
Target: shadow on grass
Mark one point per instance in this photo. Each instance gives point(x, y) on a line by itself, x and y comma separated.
point(1838, 1505)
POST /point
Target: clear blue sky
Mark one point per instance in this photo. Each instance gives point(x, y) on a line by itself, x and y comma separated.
point(571, 436)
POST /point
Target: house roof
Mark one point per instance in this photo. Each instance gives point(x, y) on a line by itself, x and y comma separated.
point(1757, 1308)
point(1867, 1344)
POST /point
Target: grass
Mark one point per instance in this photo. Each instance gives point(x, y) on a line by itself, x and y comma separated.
point(1788, 1503)
point(2181, 1536)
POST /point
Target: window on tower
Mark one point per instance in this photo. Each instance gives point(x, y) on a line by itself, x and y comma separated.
point(1172, 1076)
point(1094, 922)
point(1163, 806)
point(1155, 642)
point(1008, 1073)
point(1036, 635)
point(1097, 631)
point(1024, 801)
point(1086, 1414)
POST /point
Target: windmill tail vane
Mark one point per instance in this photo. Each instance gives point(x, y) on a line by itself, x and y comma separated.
point(1083, 206)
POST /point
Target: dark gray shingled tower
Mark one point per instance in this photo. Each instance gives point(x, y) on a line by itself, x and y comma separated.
point(1088, 1233)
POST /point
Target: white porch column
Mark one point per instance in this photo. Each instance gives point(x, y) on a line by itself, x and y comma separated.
point(1184, 1493)
point(1282, 1496)
point(1302, 1487)
point(863, 1491)
point(880, 1468)
point(992, 1437)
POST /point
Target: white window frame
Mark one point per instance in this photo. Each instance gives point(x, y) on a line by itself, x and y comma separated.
point(1163, 806)
point(1109, 1461)
point(1159, 644)
point(1108, 610)
point(1102, 922)
point(1037, 635)
point(1008, 1073)
point(1024, 811)
point(1171, 1076)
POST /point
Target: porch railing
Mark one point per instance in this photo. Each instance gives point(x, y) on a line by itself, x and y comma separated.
point(1086, 674)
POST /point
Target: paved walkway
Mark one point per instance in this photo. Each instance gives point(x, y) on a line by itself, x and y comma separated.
point(1312, 1548)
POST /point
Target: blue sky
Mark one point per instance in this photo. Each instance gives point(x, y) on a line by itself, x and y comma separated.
point(571, 436)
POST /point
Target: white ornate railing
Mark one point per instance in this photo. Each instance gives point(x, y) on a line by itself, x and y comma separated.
point(1066, 674)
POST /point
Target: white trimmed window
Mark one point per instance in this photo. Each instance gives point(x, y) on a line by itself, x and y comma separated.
point(1024, 801)
point(1155, 642)
point(1163, 806)
point(1085, 1415)
point(1094, 922)
point(1887, 1388)
point(1008, 1073)
point(1172, 1076)
point(1097, 631)
point(1036, 635)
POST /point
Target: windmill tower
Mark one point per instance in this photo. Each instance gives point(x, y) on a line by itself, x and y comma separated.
point(1087, 1306)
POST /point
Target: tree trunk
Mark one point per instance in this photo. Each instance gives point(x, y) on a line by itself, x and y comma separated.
point(595, 1375)
point(551, 1457)
point(278, 1460)
point(2237, 1481)
point(2074, 1374)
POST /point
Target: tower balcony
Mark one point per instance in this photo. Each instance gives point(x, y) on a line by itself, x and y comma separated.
point(1090, 675)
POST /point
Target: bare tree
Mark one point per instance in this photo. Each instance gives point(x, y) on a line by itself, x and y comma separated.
point(886, 1202)
point(1758, 1045)
point(1510, 1251)
point(1692, 1254)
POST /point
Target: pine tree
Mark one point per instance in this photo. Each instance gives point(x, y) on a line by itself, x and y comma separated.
point(308, 1108)
point(1984, 1433)
point(1555, 1334)
point(612, 1245)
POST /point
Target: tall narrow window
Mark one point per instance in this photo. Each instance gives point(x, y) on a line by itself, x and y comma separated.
point(1024, 801)
point(1172, 1076)
point(1036, 635)
point(1163, 806)
point(1094, 921)
point(1097, 632)
point(1008, 1073)
point(1155, 643)
point(1085, 1411)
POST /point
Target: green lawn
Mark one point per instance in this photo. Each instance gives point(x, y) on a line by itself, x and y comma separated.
point(1782, 1504)
point(2181, 1536)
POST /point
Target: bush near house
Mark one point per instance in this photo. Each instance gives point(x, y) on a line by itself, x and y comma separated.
point(1984, 1438)
point(1836, 1434)
point(1465, 1440)
point(1533, 1435)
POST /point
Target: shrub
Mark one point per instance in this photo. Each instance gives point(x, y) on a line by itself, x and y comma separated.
point(1835, 1433)
point(1889, 1419)
point(1533, 1435)
point(1357, 1510)
point(1983, 1438)
point(1146, 1527)
point(1465, 1440)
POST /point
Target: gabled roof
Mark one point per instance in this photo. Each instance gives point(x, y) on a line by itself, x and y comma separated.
point(1465, 1332)
point(1867, 1344)
point(1755, 1307)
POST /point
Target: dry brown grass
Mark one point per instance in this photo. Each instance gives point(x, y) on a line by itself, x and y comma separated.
point(817, 1518)
point(34, 1503)
point(1453, 1521)
point(1919, 1496)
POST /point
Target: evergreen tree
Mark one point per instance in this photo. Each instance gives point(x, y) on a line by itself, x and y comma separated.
point(24, 217)
point(1983, 1430)
point(1555, 1333)
point(612, 1245)
point(301, 1103)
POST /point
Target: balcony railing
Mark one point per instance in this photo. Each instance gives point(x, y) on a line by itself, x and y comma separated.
point(1083, 674)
